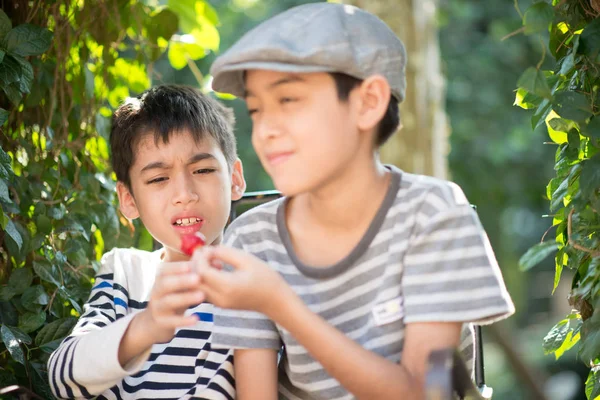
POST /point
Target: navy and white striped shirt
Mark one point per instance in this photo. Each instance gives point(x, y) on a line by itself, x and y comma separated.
point(86, 364)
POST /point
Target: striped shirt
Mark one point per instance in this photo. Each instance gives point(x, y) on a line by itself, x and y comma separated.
point(86, 364)
point(424, 258)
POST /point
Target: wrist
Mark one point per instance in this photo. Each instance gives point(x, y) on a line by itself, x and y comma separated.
point(281, 302)
point(145, 329)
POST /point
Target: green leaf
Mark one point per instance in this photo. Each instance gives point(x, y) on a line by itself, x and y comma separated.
point(589, 40)
point(589, 181)
point(29, 321)
point(536, 254)
point(40, 381)
point(571, 105)
point(12, 344)
point(179, 52)
point(44, 225)
point(20, 335)
point(592, 129)
point(534, 81)
point(34, 297)
point(4, 195)
point(559, 194)
point(10, 71)
point(538, 17)
point(20, 279)
point(11, 230)
point(13, 92)
point(46, 272)
point(28, 40)
point(56, 330)
point(5, 25)
point(590, 338)
point(592, 385)
point(3, 116)
point(7, 378)
point(8, 313)
point(26, 79)
point(7, 293)
point(523, 99)
point(562, 337)
point(163, 23)
point(51, 346)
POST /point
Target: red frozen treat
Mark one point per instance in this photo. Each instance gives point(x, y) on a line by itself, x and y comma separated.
point(190, 242)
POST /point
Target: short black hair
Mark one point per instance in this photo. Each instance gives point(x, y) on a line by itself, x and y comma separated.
point(163, 111)
point(391, 119)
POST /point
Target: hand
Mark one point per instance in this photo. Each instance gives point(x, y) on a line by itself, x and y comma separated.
point(253, 285)
point(175, 290)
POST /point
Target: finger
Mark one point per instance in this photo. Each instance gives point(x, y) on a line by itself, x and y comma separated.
point(174, 268)
point(167, 284)
point(237, 258)
point(200, 260)
point(215, 279)
point(213, 296)
point(179, 302)
point(175, 322)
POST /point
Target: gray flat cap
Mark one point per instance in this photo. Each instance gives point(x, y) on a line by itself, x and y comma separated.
point(316, 37)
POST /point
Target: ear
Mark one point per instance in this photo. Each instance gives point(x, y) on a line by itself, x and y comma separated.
point(127, 201)
point(238, 183)
point(374, 94)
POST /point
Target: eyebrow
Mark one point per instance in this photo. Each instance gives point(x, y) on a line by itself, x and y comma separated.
point(283, 81)
point(192, 160)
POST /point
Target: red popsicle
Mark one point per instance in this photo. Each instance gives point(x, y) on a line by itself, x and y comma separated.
point(190, 242)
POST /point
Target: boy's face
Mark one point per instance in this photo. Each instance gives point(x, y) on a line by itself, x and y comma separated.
point(181, 187)
point(303, 134)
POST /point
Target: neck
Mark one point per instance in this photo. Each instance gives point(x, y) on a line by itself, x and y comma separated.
point(353, 196)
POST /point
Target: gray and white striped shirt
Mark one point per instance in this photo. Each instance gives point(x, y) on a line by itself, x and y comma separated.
point(424, 258)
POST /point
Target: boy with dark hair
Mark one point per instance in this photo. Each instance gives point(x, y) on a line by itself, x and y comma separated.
point(146, 332)
point(361, 270)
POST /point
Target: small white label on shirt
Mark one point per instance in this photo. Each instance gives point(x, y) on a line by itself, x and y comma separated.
point(390, 311)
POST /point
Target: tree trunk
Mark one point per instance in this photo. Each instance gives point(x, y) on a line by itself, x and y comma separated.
point(421, 145)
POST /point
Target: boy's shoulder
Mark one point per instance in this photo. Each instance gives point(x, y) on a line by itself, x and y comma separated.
point(129, 260)
point(259, 218)
point(421, 189)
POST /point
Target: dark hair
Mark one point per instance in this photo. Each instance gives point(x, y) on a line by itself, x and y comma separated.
point(163, 111)
point(391, 119)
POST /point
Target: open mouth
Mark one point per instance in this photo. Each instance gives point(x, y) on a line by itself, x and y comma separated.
point(186, 221)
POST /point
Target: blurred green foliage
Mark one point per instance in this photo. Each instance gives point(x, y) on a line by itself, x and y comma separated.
point(61, 75)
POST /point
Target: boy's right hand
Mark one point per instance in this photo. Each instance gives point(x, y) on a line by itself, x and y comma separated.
point(174, 291)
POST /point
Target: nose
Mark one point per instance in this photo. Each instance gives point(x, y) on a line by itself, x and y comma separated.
point(184, 190)
point(266, 127)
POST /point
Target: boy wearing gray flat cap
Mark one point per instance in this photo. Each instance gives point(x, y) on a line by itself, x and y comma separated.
point(361, 269)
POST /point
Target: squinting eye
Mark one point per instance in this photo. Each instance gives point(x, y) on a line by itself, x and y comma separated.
point(204, 171)
point(287, 100)
point(156, 180)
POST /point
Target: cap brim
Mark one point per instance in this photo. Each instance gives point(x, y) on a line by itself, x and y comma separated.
point(230, 79)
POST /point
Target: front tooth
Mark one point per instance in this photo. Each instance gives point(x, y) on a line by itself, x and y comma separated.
point(186, 221)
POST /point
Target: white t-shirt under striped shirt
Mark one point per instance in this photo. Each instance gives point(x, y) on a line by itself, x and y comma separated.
point(85, 365)
point(424, 258)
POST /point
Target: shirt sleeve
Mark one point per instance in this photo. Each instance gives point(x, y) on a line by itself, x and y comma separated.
point(450, 271)
point(86, 363)
point(239, 329)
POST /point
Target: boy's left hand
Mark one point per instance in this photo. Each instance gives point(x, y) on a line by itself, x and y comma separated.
point(253, 285)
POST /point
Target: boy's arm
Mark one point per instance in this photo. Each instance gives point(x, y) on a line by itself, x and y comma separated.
point(172, 294)
point(363, 373)
point(104, 349)
point(255, 374)
point(85, 363)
